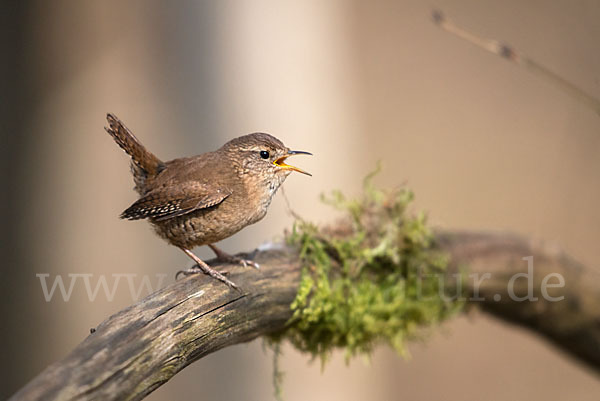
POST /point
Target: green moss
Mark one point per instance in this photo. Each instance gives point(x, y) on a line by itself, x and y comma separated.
point(377, 279)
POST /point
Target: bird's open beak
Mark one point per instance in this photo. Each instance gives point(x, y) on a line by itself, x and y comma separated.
point(281, 161)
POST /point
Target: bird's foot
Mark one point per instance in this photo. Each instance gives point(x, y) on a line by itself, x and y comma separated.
point(202, 267)
point(240, 261)
point(208, 271)
point(224, 257)
point(195, 270)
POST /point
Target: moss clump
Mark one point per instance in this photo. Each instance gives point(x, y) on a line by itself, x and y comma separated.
point(376, 278)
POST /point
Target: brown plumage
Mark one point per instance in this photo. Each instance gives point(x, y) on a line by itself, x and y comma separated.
point(203, 199)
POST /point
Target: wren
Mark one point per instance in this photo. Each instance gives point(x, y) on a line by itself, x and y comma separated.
point(200, 200)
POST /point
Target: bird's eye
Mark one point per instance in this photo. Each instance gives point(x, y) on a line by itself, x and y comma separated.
point(264, 154)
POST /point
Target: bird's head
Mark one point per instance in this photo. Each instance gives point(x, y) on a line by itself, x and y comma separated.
point(262, 155)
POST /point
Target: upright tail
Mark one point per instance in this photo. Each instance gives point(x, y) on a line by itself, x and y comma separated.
point(144, 164)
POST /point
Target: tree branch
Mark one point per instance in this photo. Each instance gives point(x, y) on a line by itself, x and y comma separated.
point(138, 349)
point(573, 323)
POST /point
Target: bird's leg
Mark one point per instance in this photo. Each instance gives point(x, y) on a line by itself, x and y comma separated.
point(201, 266)
point(223, 256)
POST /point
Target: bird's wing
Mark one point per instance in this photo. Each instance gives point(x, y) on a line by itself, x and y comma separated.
point(172, 201)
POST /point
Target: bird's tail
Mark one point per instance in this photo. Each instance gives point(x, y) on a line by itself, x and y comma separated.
point(144, 164)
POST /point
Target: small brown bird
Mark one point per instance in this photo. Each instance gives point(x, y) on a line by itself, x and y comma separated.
point(204, 199)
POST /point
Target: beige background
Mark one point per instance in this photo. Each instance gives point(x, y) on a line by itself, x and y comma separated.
point(484, 144)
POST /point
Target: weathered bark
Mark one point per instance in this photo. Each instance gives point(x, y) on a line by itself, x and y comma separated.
point(572, 323)
point(138, 349)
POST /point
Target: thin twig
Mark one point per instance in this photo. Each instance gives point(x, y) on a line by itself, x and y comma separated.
point(510, 53)
point(288, 205)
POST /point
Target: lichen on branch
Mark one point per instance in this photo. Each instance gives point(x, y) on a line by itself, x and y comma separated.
point(377, 277)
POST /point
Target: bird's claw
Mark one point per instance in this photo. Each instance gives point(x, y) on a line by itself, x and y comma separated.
point(210, 272)
point(247, 262)
point(224, 257)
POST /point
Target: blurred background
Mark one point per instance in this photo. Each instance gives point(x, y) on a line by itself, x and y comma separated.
point(484, 144)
